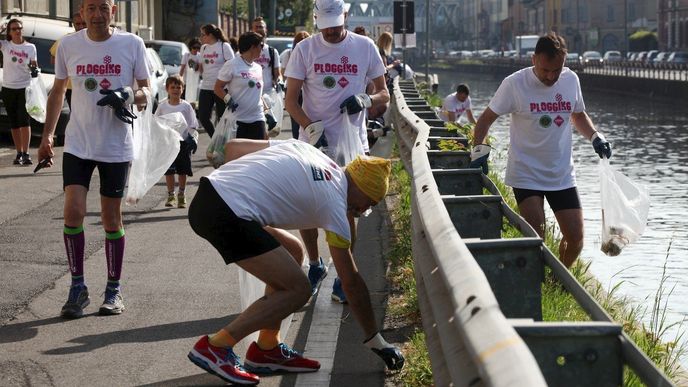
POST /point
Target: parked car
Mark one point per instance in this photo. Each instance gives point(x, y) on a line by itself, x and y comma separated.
point(591, 58)
point(678, 57)
point(157, 76)
point(280, 43)
point(651, 56)
point(661, 58)
point(170, 53)
point(572, 59)
point(43, 33)
point(612, 56)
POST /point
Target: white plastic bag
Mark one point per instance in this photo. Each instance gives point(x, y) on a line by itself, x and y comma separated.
point(192, 81)
point(156, 145)
point(225, 130)
point(349, 145)
point(252, 289)
point(275, 102)
point(36, 99)
point(625, 206)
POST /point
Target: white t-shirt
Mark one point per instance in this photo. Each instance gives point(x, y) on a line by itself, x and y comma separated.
point(452, 104)
point(213, 56)
point(332, 73)
point(182, 107)
point(289, 185)
point(264, 61)
point(284, 59)
point(245, 86)
point(190, 59)
point(540, 155)
point(94, 132)
point(15, 64)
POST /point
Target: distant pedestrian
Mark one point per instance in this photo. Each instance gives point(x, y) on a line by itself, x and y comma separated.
point(182, 164)
point(79, 24)
point(214, 53)
point(189, 71)
point(243, 209)
point(19, 65)
point(98, 135)
point(269, 58)
point(360, 30)
point(242, 77)
point(284, 59)
point(543, 100)
point(456, 104)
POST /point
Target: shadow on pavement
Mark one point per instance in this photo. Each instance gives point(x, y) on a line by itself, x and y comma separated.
point(173, 331)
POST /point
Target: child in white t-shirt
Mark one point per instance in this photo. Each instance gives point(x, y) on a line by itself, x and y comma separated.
point(182, 164)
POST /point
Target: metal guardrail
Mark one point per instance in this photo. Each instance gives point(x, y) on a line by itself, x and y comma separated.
point(466, 287)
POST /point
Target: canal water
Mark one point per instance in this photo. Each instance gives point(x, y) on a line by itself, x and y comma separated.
point(650, 146)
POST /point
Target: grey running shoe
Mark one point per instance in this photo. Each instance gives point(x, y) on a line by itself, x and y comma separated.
point(113, 303)
point(76, 302)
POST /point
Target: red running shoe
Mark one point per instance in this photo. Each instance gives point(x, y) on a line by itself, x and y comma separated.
point(222, 362)
point(280, 358)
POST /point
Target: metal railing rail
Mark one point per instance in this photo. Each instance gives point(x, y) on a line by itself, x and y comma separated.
point(468, 338)
point(470, 342)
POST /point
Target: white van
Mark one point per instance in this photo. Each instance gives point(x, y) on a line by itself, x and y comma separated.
point(43, 33)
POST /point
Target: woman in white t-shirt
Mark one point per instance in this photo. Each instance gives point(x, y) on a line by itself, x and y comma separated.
point(240, 85)
point(19, 65)
point(214, 53)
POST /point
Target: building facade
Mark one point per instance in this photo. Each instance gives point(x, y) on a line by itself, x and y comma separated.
point(672, 28)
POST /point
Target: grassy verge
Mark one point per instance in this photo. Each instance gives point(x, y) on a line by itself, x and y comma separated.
point(557, 303)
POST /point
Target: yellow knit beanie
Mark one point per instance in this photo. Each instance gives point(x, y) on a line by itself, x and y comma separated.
point(371, 175)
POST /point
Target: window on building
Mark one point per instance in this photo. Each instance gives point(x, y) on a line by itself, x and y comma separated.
point(631, 11)
point(583, 13)
point(610, 13)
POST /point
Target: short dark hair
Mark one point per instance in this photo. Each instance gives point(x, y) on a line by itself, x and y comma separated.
point(258, 19)
point(174, 79)
point(234, 42)
point(249, 39)
point(463, 88)
point(194, 42)
point(552, 45)
point(9, 27)
point(360, 30)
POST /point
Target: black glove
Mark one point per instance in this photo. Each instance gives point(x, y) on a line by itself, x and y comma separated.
point(601, 145)
point(191, 143)
point(390, 354)
point(117, 100)
point(34, 71)
point(356, 103)
point(479, 156)
point(231, 105)
point(270, 120)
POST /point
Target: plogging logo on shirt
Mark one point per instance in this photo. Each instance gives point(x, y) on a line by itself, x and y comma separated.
point(91, 84)
point(545, 121)
point(106, 68)
point(344, 67)
point(329, 82)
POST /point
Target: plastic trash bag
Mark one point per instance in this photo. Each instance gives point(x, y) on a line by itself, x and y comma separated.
point(36, 99)
point(225, 130)
point(156, 145)
point(192, 81)
point(349, 145)
point(275, 102)
point(252, 289)
point(625, 206)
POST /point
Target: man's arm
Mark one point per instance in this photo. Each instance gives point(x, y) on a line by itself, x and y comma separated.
point(238, 147)
point(583, 124)
point(291, 102)
point(355, 289)
point(140, 98)
point(219, 89)
point(53, 109)
point(451, 116)
point(381, 95)
point(469, 115)
point(483, 125)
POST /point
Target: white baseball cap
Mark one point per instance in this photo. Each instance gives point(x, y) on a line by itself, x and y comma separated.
point(329, 13)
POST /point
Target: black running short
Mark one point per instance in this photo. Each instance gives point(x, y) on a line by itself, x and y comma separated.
point(15, 105)
point(234, 238)
point(182, 164)
point(113, 176)
point(252, 130)
point(566, 199)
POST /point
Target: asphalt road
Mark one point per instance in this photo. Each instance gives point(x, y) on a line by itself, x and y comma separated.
point(175, 286)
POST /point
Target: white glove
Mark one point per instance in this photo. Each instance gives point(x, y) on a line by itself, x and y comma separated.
point(130, 98)
point(226, 98)
point(365, 98)
point(314, 132)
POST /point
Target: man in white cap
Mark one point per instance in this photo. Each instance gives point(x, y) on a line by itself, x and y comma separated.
point(332, 69)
